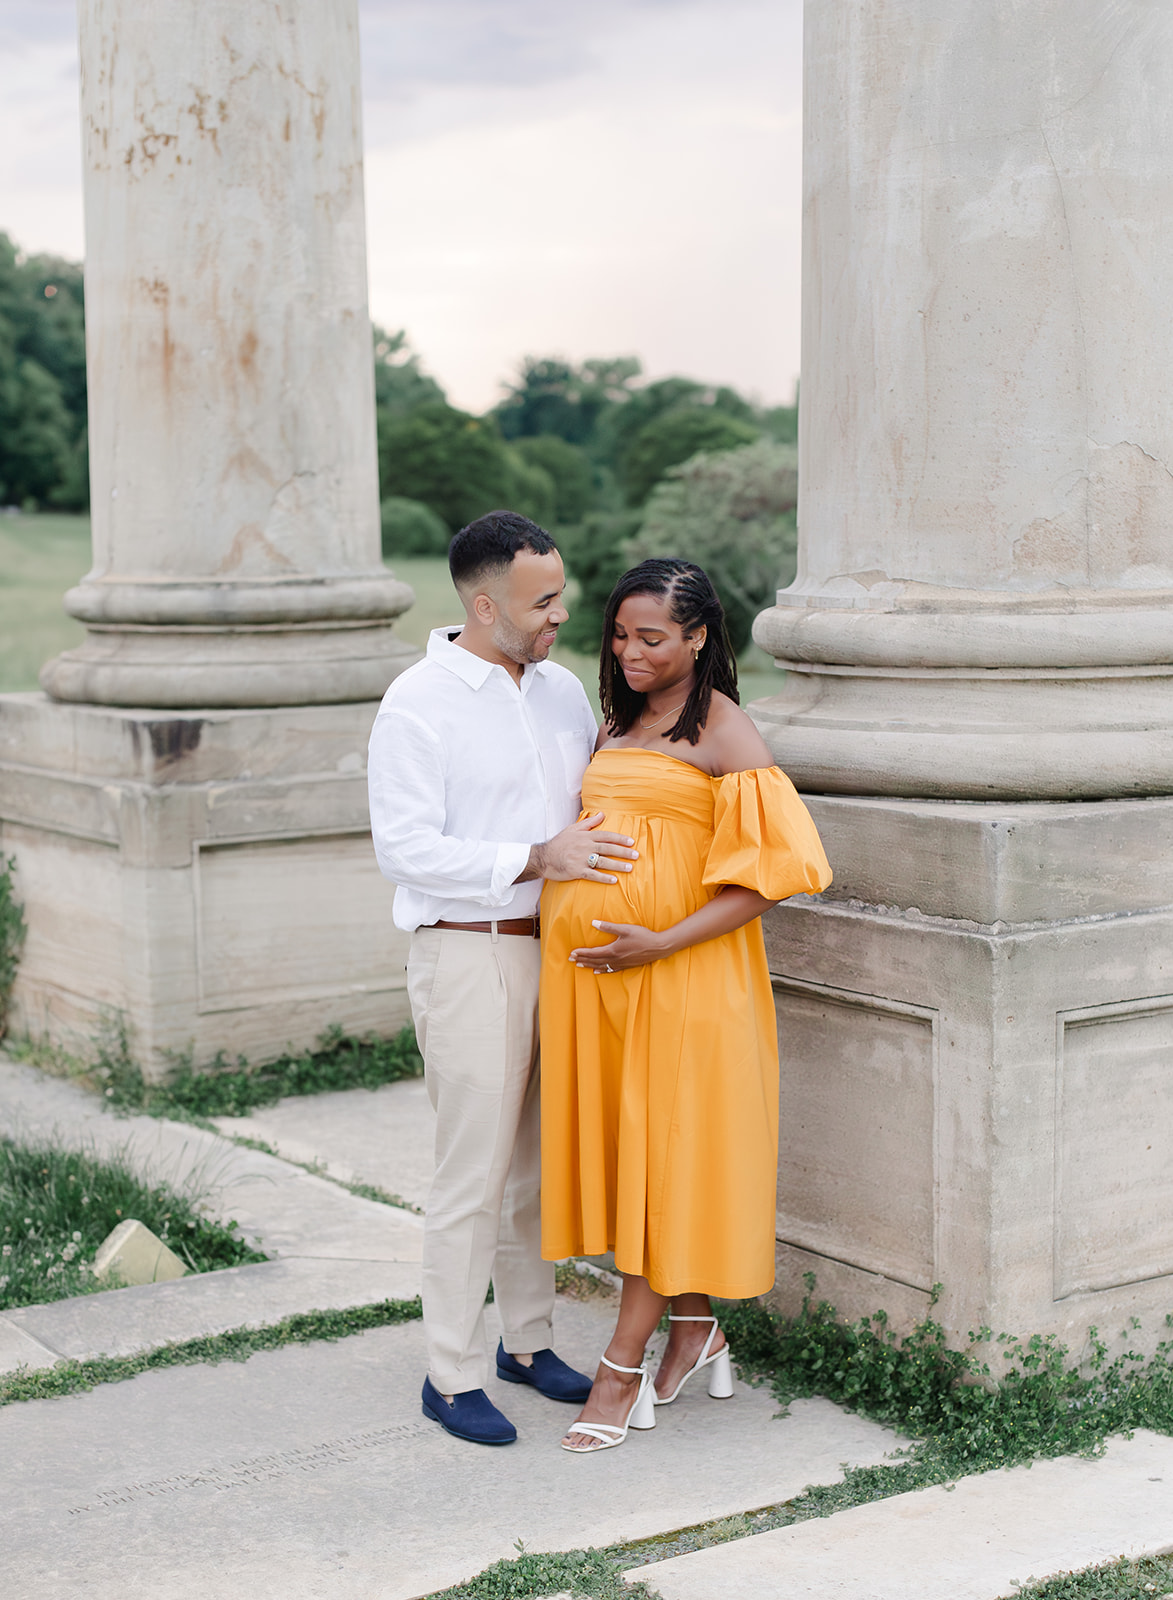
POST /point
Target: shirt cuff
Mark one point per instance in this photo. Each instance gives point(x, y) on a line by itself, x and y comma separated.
point(510, 864)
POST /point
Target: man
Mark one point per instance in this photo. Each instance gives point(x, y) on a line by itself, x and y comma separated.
point(476, 762)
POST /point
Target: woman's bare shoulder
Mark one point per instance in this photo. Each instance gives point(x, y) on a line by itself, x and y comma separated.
point(736, 746)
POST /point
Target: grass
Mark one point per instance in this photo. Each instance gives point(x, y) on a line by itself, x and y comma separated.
point(57, 1206)
point(12, 932)
point(226, 1088)
point(42, 556)
point(75, 1377)
point(1148, 1579)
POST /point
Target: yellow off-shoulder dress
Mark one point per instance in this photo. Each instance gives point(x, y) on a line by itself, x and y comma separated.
point(660, 1083)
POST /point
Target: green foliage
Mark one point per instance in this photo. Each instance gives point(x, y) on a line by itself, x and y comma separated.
point(57, 1206)
point(531, 490)
point(411, 528)
point(12, 933)
point(733, 513)
point(596, 554)
point(42, 381)
point(75, 1377)
point(530, 1577)
point(400, 385)
point(455, 463)
point(550, 396)
point(569, 469)
point(227, 1089)
point(677, 436)
point(1117, 1580)
point(969, 1416)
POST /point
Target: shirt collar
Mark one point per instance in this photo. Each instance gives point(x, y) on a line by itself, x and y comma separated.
point(474, 670)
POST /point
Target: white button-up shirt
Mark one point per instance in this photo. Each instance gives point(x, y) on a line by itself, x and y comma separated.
point(466, 770)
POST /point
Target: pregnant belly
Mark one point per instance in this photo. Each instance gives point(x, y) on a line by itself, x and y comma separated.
point(663, 886)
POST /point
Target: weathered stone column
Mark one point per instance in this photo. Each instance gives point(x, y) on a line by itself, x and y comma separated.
point(978, 1018)
point(232, 440)
point(188, 810)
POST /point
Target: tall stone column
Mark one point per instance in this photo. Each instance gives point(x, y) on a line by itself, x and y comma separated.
point(977, 1021)
point(187, 803)
point(232, 436)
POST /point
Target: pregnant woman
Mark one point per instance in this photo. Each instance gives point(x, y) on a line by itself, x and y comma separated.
point(659, 1043)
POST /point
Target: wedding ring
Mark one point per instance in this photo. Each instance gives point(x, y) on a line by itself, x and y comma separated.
point(593, 860)
point(608, 969)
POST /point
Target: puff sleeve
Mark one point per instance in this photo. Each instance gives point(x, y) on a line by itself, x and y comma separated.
point(763, 837)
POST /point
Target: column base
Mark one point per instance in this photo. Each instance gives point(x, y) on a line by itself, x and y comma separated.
point(209, 875)
point(195, 668)
point(976, 1035)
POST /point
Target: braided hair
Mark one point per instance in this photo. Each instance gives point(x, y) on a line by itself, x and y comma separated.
point(691, 603)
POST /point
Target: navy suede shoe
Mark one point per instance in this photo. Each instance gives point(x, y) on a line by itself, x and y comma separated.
point(549, 1375)
point(471, 1416)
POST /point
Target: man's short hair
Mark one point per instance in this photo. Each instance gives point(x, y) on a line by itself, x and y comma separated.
point(486, 547)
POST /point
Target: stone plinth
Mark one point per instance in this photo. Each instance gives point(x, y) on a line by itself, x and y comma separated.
point(976, 1032)
point(208, 875)
point(198, 864)
point(976, 1022)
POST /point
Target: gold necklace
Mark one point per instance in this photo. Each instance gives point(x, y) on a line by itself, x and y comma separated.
point(648, 726)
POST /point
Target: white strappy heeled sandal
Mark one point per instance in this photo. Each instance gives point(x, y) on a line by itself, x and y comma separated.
point(609, 1434)
point(721, 1377)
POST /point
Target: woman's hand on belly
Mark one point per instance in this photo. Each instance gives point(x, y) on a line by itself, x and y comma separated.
point(632, 946)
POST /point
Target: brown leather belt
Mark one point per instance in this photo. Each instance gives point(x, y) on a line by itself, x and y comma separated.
point(528, 927)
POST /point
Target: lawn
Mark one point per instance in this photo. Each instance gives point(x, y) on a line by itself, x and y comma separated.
point(57, 1206)
point(42, 556)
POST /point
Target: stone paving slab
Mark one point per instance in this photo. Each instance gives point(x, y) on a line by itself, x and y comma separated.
point(18, 1348)
point(288, 1211)
point(974, 1541)
point(381, 1136)
point(123, 1322)
point(310, 1472)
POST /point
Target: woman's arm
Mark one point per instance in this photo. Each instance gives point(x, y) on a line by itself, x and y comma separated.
point(730, 908)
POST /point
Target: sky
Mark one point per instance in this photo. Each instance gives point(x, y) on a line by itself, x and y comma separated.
point(544, 177)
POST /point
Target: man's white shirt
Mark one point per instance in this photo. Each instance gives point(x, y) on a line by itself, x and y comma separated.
point(466, 770)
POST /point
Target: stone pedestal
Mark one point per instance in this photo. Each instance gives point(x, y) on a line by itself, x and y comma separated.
point(207, 875)
point(976, 1031)
point(188, 809)
point(977, 1021)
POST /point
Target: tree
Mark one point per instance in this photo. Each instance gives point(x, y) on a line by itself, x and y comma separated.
point(411, 528)
point(550, 396)
point(400, 385)
point(42, 380)
point(732, 513)
point(455, 463)
point(676, 436)
point(569, 469)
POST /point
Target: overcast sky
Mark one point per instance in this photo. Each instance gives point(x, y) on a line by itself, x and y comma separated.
point(574, 177)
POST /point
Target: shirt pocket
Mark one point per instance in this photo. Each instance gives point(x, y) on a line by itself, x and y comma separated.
point(575, 751)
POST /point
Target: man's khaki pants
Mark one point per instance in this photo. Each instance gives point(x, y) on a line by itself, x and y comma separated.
point(474, 998)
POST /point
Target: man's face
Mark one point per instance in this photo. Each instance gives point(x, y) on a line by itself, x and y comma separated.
point(528, 602)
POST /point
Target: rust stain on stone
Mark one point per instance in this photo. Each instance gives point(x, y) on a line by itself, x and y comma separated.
point(247, 353)
point(248, 539)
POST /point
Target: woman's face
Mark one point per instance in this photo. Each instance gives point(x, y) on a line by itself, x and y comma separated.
point(653, 652)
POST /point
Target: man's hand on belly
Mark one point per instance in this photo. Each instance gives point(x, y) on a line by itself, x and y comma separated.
point(581, 851)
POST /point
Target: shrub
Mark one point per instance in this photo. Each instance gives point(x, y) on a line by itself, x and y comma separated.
point(570, 472)
point(733, 513)
point(410, 528)
point(12, 931)
point(678, 436)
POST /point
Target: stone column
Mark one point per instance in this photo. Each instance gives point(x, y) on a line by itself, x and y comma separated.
point(232, 442)
point(187, 805)
point(977, 1019)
